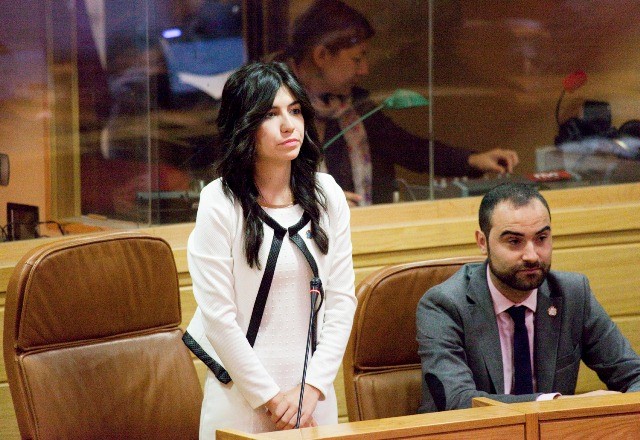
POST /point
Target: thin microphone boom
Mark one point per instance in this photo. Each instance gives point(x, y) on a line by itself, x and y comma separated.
point(315, 289)
point(400, 99)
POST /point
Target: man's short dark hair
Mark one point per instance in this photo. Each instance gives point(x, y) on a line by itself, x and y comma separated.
point(518, 194)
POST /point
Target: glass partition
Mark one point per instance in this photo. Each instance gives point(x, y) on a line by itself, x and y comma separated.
point(557, 81)
point(108, 106)
point(148, 147)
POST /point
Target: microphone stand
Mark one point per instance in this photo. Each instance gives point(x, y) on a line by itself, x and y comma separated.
point(558, 107)
point(400, 99)
point(315, 289)
point(353, 124)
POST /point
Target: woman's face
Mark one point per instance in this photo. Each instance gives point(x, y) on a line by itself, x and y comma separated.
point(343, 70)
point(281, 133)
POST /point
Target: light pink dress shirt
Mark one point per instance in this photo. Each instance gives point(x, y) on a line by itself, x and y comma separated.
point(506, 329)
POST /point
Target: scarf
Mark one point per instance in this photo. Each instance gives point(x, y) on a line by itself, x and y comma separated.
point(342, 110)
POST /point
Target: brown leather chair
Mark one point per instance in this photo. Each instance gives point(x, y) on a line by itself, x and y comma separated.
point(381, 365)
point(92, 346)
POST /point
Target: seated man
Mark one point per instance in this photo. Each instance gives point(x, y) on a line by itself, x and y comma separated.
point(328, 53)
point(471, 346)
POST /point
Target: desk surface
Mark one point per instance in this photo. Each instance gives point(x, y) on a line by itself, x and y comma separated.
point(489, 422)
point(614, 416)
point(580, 406)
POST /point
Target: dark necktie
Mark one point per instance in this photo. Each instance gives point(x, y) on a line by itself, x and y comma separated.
point(521, 355)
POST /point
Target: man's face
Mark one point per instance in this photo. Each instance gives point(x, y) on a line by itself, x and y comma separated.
point(518, 248)
point(344, 69)
point(279, 137)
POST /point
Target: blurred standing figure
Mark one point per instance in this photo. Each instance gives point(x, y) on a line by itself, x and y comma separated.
point(264, 229)
point(328, 53)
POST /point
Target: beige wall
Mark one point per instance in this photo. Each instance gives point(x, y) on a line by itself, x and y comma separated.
point(23, 138)
point(24, 111)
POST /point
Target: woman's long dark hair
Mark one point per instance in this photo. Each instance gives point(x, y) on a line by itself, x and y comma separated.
point(246, 99)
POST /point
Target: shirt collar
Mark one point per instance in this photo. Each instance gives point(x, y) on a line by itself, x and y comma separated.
point(501, 303)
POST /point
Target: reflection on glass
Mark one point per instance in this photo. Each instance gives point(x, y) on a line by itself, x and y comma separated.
point(329, 49)
point(158, 136)
point(499, 71)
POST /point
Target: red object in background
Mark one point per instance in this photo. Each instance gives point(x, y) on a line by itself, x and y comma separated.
point(574, 81)
point(570, 83)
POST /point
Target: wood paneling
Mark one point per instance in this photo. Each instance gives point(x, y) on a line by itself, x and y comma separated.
point(595, 417)
point(8, 423)
point(3, 372)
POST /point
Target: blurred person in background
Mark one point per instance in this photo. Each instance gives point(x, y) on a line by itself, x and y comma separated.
point(328, 53)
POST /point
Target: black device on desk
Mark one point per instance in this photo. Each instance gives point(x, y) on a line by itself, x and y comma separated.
point(593, 133)
point(22, 221)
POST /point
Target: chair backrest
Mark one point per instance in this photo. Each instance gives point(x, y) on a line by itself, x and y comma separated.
point(92, 346)
point(381, 365)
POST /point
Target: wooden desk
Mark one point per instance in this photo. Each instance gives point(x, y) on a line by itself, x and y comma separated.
point(612, 417)
point(491, 422)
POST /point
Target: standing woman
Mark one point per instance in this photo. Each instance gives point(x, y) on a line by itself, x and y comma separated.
point(248, 266)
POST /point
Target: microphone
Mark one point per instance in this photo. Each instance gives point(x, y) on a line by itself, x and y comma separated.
point(315, 291)
point(570, 84)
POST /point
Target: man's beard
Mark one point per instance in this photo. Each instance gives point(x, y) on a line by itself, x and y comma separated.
point(514, 279)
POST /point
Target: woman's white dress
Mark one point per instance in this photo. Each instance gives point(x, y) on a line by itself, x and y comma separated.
point(225, 288)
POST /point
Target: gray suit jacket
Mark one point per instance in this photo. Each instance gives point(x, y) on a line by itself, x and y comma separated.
point(460, 347)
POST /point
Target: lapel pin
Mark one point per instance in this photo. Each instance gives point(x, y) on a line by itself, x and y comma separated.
point(552, 311)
